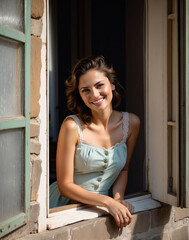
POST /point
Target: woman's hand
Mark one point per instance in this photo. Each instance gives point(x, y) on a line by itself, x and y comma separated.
point(119, 211)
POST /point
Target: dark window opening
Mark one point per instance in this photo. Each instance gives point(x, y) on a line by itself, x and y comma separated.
point(115, 29)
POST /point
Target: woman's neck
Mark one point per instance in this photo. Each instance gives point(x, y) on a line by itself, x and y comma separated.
point(102, 118)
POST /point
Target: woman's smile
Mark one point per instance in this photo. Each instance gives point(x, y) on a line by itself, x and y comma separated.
point(98, 101)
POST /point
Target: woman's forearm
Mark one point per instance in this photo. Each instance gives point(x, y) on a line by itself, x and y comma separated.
point(80, 194)
point(119, 211)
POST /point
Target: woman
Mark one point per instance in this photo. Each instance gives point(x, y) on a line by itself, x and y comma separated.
point(95, 145)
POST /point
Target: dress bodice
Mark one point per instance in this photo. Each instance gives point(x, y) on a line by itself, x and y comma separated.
point(96, 168)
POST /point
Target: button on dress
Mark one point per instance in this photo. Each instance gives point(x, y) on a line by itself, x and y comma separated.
point(95, 168)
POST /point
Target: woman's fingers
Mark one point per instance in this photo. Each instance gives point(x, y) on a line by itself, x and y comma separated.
point(123, 218)
point(128, 217)
point(120, 213)
point(120, 221)
point(127, 221)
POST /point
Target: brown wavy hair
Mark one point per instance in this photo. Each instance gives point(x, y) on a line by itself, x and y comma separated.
point(74, 102)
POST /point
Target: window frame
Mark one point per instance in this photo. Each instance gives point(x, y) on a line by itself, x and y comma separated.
point(64, 215)
point(45, 217)
point(20, 121)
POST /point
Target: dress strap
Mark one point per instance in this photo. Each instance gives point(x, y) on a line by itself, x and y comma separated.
point(125, 125)
point(77, 121)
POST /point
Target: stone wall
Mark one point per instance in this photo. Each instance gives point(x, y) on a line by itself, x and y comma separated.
point(37, 9)
point(165, 223)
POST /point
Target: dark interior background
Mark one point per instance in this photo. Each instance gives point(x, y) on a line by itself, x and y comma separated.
point(115, 29)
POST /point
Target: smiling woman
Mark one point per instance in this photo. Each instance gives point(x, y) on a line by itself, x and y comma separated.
point(95, 145)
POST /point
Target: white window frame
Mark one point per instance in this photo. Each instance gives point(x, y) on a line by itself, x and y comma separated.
point(157, 103)
point(159, 191)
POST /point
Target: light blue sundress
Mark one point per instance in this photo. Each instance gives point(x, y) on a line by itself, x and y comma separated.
point(95, 168)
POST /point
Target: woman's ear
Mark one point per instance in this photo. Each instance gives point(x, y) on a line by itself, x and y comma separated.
point(113, 87)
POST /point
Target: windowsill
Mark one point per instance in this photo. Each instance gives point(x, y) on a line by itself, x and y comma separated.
point(86, 212)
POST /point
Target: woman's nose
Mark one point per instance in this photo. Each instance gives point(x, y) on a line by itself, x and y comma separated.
point(94, 93)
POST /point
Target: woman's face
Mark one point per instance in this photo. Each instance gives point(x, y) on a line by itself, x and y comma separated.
point(96, 90)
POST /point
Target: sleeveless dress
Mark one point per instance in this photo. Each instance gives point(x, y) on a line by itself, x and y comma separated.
point(95, 168)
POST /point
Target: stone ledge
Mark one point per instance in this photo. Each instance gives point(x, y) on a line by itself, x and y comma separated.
point(99, 228)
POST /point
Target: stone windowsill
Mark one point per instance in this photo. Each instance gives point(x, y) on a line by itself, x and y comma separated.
point(147, 216)
point(70, 216)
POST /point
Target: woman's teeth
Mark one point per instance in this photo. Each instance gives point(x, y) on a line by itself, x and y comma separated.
point(100, 100)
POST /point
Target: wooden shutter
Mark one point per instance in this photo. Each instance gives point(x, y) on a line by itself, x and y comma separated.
point(14, 114)
point(162, 101)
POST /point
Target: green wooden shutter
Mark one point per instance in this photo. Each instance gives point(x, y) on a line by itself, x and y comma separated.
point(14, 114)
point(184, 103)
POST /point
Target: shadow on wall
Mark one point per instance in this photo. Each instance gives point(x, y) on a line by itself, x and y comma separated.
point(147, 225)
point(113, 230)
point(150, 225)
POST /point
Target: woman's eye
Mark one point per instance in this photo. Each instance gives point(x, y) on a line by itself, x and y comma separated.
point(100, 85)
point(84, 90)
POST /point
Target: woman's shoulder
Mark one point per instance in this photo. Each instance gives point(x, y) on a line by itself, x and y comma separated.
point(70, 123)
point(134, 119)
point(134, 123)
point(68, 131)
